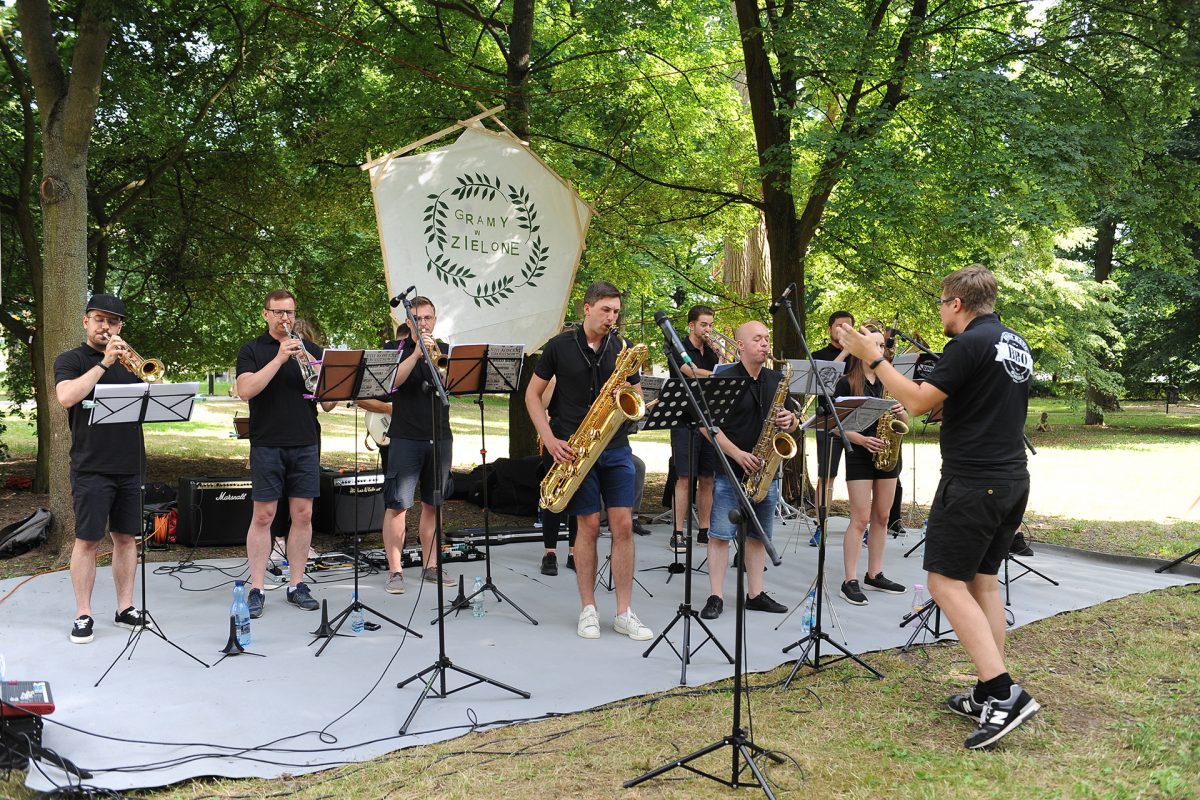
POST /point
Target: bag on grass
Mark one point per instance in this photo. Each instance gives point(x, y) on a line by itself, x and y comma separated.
point(26, 534)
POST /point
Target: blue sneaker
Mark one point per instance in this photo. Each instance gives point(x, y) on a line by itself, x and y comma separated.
point(815, 541)
point(300, 597)
point(866, 532)
point(255, 601)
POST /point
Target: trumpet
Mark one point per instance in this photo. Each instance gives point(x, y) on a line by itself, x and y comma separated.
point(441, 362)
point(723, 346)
point(149, 370)
point(307, 369)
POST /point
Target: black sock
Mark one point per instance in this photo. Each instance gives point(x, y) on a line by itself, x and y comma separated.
point(997, 687)
point(678, 534)
point(704, 531)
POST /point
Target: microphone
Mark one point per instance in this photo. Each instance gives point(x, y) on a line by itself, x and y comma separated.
point(889, 341)
point(775, 304)
point(400, 298)
point(673, 343)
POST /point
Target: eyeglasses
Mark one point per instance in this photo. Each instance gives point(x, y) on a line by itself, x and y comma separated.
point(112, 322)
point(945, 300)
point(430, 318)
point(281, 313)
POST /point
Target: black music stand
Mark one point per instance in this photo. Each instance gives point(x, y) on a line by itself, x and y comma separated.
point(141, 403)
point(346, 376)
point(673, 411)
point(436, 672)
point(479, 369)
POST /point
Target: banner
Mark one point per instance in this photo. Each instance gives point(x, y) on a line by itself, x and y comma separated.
point(486, 231)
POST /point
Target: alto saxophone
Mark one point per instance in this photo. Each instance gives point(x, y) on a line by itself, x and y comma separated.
point(891, 429)
point(607, 415)
point(773, 446)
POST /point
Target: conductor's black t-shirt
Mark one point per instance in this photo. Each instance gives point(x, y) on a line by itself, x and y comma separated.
point(986, 373)
point(114, 449)
point(581, 371)
point(412, 409)
point(280, 415)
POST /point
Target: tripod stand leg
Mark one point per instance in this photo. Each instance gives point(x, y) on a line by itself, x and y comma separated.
point(1180, 560)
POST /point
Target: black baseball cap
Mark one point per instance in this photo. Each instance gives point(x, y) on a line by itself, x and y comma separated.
point(108, 303)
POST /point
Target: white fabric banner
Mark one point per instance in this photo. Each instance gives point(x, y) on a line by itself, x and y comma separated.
point(487, 231)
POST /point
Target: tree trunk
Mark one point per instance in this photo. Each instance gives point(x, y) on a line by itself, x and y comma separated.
point(1098, 401)
point(747, 266)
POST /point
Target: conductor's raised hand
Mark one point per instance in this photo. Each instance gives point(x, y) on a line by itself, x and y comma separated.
point(861, 343)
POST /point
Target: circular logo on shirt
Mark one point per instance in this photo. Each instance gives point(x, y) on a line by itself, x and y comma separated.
point(1013, 352)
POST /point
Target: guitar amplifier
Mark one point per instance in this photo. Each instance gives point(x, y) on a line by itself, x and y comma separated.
point(343, 496)
point(216, 512)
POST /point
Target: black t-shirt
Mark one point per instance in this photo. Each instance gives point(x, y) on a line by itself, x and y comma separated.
point(704, 357)
point(280, 416)
point(986, 374)
point(581, 371)
point(745, 421)
point(826, 353)
point(869, 390)
point(412, 413)
point(114, 449)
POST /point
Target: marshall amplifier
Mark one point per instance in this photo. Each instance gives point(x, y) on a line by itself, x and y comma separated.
point(216, 512)
point(344, 496)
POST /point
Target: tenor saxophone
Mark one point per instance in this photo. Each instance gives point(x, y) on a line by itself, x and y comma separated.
point(606, 416)
point(891, 429)
point(773, 446)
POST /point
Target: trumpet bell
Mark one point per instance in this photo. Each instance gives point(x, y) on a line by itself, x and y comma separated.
point(151, 370)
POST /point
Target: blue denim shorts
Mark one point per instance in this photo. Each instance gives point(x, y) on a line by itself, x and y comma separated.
point(411, 461)
point(277, 472)
point(725, 499)
point(608, 484)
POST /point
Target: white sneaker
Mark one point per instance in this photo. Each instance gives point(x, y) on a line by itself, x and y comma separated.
point(629, 625)
point(589, 623)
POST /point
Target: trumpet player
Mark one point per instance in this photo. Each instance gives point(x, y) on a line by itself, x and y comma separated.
point(410, 450)
point(704, 360)
point(284, 445)
point(106, 466)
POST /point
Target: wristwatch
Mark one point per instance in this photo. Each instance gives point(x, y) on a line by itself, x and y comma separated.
point(876, 362)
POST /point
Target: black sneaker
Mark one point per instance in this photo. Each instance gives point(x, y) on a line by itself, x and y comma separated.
point(679, 542)
point(81, 630)
point(571, 561)
point(131, 618)
point(853, 594)
point(896, 530)
point(713, 608)
point(1001, 717)
point(1020, 546)
point(550, 564)
point(882, 584)
point(256, 600)
point(301, 597)
point(639, 528)
point(702, 537)
point(966, 705)
point(761, 602)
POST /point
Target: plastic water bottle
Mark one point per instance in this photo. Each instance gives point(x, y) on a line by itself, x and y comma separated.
point(358, 620)
point(477, 608)
point(810, 618)
point(241, 614)
point(918, 597)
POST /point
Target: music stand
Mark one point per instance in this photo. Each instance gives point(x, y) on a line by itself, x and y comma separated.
point(673, 411)
point(479, 369)
point(346, 376)
point(116, 403)
point(921, 616)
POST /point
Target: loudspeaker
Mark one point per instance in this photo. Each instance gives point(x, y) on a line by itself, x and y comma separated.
point(342, 496)
point(216, 512)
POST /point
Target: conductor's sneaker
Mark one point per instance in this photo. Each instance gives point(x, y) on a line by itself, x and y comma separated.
point(1001, 717)
point(550, 564)
point(966, 705)
point(761, 602)
point(131, 618)
point(628, 624)
point(395, 583)
point(81, 630)
point(882, 584)
point(853, 594)
point(301, 597)
point(815, 540)
point(1020, 546)
point(430, 575)
point(589, 623)
point(679, 542)
point(256, 600)
point(713, 608)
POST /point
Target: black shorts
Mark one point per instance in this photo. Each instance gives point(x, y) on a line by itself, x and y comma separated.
point(277, 472)
point(103, 500)
point(860, 466)
point(411, 461)
point(828, 468)
point(706, 457)
point(971, 525)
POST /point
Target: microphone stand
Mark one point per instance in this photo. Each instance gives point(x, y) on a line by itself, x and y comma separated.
point(438, 400)
point(812, 640)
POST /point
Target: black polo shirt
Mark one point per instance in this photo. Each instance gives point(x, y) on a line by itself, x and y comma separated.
point(986, 372)
point(412, 413)
point(280, 416)
point(826, 353)
point(114, 449)
point(704, 357)
point(581, 371)
point(745, 421)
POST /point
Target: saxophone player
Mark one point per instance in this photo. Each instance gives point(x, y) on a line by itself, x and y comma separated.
point(583, 359)
point(737, 439)
point(871, 489)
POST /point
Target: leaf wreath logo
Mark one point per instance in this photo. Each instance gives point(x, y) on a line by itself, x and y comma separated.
point(441, 243)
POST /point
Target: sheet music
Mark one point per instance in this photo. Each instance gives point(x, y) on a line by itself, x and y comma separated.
point(905, 364)
point(379, 372)
point(829, 373)
point(651, 386)
point(504, 367)
point(870, 409)
point(118, 402)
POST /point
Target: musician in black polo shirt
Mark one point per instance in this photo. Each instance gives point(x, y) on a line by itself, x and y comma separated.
point(704, 361)
point(583, 359)
point(736, 439)
point(106, 466)
point(828, 464)
point(284, 446)
point(410, 451)
point(982, 383)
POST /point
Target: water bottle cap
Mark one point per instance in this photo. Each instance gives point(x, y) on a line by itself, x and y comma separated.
point(918, 586)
